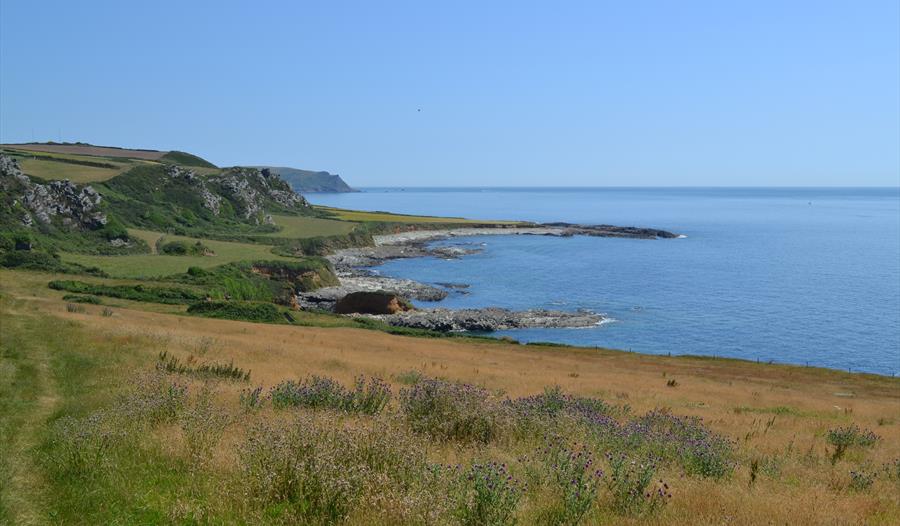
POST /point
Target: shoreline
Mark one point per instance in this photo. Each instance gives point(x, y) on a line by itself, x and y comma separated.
point(352, 267)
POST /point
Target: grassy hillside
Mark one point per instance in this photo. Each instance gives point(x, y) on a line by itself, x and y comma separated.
point(99, 428)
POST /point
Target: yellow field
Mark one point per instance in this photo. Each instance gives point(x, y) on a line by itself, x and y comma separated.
point(357, 215)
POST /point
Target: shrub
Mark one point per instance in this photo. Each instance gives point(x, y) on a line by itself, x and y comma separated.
point(237, 310)
point(486, 494)
point(251, 399)
point(172, 295)
point(71, 307)
point(453, 411)
point(630, 486)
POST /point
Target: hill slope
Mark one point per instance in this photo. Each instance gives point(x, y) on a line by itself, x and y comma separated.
point(309, 181)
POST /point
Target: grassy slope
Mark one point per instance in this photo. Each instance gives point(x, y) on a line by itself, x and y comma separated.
point(65, 363)
point(54, 166)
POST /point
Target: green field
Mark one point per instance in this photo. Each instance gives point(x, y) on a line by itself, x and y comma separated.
point(58, 166)
point(296, 227)
point(157, 265)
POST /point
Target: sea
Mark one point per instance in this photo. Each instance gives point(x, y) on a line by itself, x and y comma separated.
point(807, 276)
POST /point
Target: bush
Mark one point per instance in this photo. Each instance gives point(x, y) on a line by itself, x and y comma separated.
point(154, 294)
point(453, 411)
point(237, 310)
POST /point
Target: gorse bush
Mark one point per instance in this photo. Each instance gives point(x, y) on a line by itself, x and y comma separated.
point(367, 396)
point(486, 495)
point(454, 411)
point(237, 310)
point(78, 298)
point(171, 364)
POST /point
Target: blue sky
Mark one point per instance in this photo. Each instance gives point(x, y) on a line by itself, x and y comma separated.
point(736, 93)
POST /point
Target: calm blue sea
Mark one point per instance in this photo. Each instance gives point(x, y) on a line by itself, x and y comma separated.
point(790, 275)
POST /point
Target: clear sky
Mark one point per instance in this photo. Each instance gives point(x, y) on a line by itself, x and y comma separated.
point(484, 93)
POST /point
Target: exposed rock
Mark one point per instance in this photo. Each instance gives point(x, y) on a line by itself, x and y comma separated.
point(251, 189)
point(371, 303)
point(325, 298)
point(72, 205)
point(488, 319)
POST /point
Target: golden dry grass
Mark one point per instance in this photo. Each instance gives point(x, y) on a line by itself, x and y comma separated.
point(774, 413)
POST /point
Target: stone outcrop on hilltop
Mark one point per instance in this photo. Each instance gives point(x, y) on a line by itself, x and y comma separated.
point(251, 191)
point(57, 202)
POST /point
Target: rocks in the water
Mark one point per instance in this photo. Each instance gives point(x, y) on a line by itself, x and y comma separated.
point(371, 303)
point(325, 298)
point(488, 319)
point(612, 231)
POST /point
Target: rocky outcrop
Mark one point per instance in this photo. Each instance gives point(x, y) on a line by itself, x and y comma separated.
point(371, 303)
point(488, 319)
point(252, 190)
point(63, 202)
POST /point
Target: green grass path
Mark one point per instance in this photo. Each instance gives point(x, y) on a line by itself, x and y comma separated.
point(28, 398)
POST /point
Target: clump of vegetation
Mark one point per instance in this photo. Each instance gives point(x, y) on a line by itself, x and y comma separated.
point(367, 397)
point(237, 310)
point(202, 423)
point(861, 480)
point(630, 484)
point(154, 294)
point(78, 298)
point(575, 479)
point(184, 248)
point(486, 493)
point(71, 307)
point(172, 364)
point(842, 438)
point(454, 411)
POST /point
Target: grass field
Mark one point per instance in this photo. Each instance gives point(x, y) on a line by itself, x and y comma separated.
point(89, 150)
point(296, 227)
point(57, 364)
point(158, 265)
point(357, 215)
point(57, 166)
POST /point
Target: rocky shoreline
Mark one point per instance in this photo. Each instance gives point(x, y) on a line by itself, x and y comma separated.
point(353, 269)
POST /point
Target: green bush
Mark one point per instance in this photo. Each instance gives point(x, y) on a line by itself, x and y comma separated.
point(237, 310)
point(154, 294)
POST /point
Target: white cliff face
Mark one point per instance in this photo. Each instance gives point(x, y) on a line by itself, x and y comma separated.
point(73, 205)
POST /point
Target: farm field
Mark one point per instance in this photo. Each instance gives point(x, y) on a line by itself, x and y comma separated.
point(297, 227)
point(90, 150)
point(358, 215)
point(158, 265)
